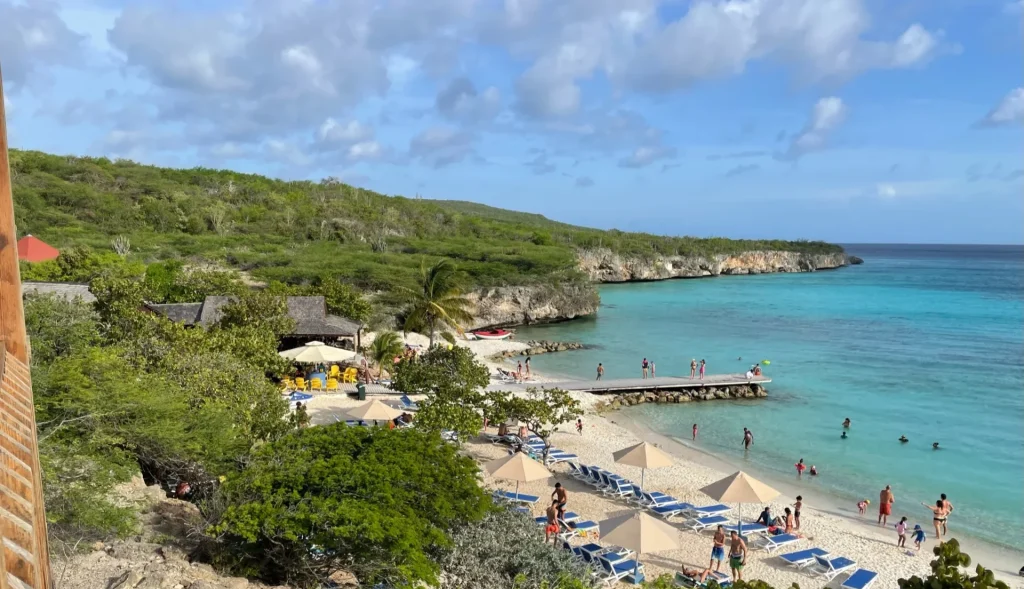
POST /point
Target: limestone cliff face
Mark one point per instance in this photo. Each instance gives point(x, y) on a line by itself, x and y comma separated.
point(603, 265)
point(521, 305)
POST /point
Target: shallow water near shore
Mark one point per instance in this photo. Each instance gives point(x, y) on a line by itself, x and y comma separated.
point(923, 341)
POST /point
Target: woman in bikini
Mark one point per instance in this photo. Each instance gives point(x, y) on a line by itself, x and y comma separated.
point(939, 514)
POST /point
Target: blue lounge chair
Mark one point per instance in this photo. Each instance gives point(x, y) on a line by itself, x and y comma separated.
point(517, 497)
point(575, 551)
point(570, 516)
point(860, 579)
point(575, 471)
point(653, 498)
point(669, 509)
point(592, 551)
point(831, 567)
point(612, 572)
point(747, 528)
point(802, 558)
point(723, 579)
point(710, 521)
point(773, 543)
point(618, 489)
point(408, 404)
point(710, 510)
point(577, 528)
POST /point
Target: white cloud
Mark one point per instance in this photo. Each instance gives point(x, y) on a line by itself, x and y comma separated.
point(885, 190)
point(366, 150)
point(33, 37)
point(645, 156)
point(331, 131)
point(827, 115)
point(1009, 111)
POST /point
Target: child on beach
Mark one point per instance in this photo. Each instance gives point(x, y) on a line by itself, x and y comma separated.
point(579, 425)
point(918, 536)
point(800, 467)
point(862, 506)
point(796, 510)
point(901, 532)
point(695, 431)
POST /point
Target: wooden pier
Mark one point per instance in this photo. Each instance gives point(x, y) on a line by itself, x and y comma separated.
point(625, 385)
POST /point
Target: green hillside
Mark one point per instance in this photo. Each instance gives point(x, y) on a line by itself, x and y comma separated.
point(296, 231)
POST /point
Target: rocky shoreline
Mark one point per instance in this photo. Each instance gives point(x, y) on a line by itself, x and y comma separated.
point(745, 391)
point(538, 347)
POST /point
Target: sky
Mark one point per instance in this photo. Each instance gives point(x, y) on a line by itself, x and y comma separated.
point(844, 120)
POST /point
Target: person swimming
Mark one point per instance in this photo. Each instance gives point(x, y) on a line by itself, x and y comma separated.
point(814, 471)
point(935, 445)
point(904, 439)
point(846, 422)
point(843, 436)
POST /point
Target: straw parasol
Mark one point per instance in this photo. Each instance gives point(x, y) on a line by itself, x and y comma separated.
point(640, 533)
point(519, 468)
point(316, 352)
point(374, 411)
point(643, 455)
point(740, 488)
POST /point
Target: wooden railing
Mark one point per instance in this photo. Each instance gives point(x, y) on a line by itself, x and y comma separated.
point(24, 558)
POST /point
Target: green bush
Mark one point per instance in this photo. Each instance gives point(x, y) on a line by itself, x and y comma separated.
point(378, 502)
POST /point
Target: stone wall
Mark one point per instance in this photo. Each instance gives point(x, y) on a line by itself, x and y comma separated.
point(751, 391)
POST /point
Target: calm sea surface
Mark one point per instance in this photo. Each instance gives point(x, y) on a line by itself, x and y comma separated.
point(923, 341)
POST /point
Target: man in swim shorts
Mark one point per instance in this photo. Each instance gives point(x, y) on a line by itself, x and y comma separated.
point(718, 550)
point(560, 497)
point(737, 556)
point(551, 527)
point(885, 501)
point(949, 510)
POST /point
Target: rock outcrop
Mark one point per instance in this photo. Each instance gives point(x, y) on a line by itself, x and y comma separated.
point(603, 265)
point(523, 305)
point(538, 347)
point(710, 393)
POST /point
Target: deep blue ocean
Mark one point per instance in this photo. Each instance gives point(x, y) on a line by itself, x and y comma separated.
point(922, 341)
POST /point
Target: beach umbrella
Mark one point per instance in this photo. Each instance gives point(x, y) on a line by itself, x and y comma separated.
point(640, 533)
point(643, 455)
point(315, 353)
point(374, 411)
point(517, 467)
point(740, 488)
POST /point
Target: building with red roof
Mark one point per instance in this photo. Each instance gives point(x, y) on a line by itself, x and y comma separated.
point(33, 249)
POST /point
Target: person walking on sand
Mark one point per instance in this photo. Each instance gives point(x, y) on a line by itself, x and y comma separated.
point(949, 511)
point(519, 370)
point(693, 368)
point(551, 527)
point(600, 370)
point(901, 533)
point(702, 366)
point(695, 432)
point(644, 366)
point(527, 366)
point(885, 501)
point(579, 425)
point(939, 514)
point(718, 549)
point(748, 438)
point(737, 556)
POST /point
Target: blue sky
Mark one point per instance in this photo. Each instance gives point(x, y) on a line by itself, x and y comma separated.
point(845, 120)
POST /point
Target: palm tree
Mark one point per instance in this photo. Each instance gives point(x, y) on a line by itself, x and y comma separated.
point(384, 348)
point(438, 302)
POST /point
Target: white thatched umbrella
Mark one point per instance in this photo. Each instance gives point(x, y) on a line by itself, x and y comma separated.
point(315, 353)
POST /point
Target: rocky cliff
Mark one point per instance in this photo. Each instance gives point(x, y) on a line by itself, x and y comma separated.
point(603, 265)
point(520, 305)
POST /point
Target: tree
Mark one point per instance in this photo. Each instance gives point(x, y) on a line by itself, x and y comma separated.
point(120, 302)
point(947, 573)
point(258, 309)
point(453, 381)
point(439, 300)
point(384, 348)
point(543, 410)
point(374, 501)
point(343, 300)
point(505, 550)
point(59, 327)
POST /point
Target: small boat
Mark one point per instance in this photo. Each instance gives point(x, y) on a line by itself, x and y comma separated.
point(494, 334)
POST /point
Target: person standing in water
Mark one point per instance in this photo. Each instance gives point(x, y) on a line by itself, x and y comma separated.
point(748, 438)
point(695, 431)
point(800, 467)
point(885, 501)
point(693, 368)
point(600, 370)
point(643, 365)
point(527, 366)
point(702, 365)
point(949, 511)
point(846, 423)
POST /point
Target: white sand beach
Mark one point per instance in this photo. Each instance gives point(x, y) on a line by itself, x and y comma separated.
point(825, 523)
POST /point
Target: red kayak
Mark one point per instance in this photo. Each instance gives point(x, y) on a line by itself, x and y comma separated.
point(495, 334)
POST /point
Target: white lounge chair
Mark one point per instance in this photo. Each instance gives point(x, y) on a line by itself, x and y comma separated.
point(747, 528)
point(802, 558)
point(577, 528)
point(710, 521)
point(860, 579)
point(570, 516)
point(831, 567)
point(723, 580)
point(612, 572)
point(517, 497)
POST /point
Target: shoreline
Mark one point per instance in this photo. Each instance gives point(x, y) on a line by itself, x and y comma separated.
point(1005, 562)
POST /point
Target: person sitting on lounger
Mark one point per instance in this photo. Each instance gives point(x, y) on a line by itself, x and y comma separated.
point(696, 575)
point(765, 518)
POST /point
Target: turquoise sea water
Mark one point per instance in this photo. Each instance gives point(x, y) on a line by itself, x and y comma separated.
point(924, 341)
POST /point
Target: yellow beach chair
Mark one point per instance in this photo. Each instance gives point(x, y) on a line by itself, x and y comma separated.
point(300, 383)
point(332, 384)
point(350, 375)
point(315, 384)
point(335, 371)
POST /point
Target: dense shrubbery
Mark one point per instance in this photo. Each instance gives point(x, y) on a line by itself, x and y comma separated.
point(294, 232)
point(378, 502)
